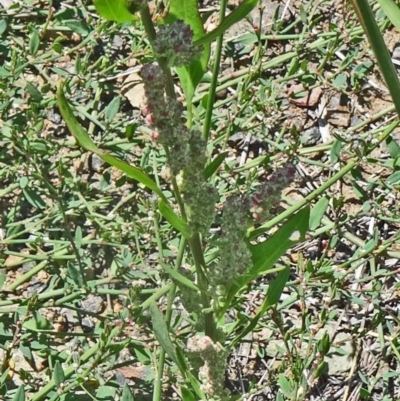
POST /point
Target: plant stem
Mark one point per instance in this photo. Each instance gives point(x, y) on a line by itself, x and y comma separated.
point(195, 242)
point(200, 264)
point(168, 315)
point(214, 79)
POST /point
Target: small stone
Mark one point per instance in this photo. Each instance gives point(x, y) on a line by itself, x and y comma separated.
point(311, 136)
point(93, 304)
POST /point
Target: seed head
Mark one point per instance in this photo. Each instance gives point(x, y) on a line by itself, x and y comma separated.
point(175, 43)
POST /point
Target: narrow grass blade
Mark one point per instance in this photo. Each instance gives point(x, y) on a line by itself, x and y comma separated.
point(134, 173)
point(187, 395)
point(214, 165)
point(235, 16)
point(72, 123)
point(371, 29)
point(392, 11)
point(268, 252)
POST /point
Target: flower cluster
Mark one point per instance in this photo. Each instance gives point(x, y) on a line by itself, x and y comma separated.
point(235, 256)
point(238, 215)
point(269, 195)
point(212, 372)
point(165, 114)
point(190, 298)
point(186, 150)
point(175, 43)
point(199, 195)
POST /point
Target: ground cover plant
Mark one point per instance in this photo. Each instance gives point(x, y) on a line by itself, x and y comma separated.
point(199, 200)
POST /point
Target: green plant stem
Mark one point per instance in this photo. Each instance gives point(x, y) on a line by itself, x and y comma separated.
point(156, 296)
point(214, 79)
point(32, 272)
point(171, 297)
point(200, 264)
point(195, 242)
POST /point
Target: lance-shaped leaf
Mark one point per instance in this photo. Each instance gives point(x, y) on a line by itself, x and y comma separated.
point(267, 253)
point(133, 172)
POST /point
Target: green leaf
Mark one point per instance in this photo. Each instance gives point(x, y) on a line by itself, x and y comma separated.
point(393, 147)
point(161, 333)
point(274, 293)
point(23, 181)
point(317, 212)
point(213, 166)
point(235, 16)
point(72, 123)
point(80, 27)
point(78, 64)
point(392, 11)
point(276, 288)
point(324, 344)
point(34, 198)
point(340, 81)
point(20, 394)
point(335, 151)
point(284, 385)
point(86, 142)
point(3, 26)
point(78, 237)
point(27, 353)
point(394, 178)
point(2, 280)
point(187, 395)
point(34, 93)
point(127, 394)
point(112, 109)
point(58, 374)
point(267, 253)
point(176, 222)
point(106, 393)
point(34, 41)
point(367, 19)
point(134, 173)
point(74, 273)
point(37, 323)
point(179, 277)
point(191, 75)
point(114, 10)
